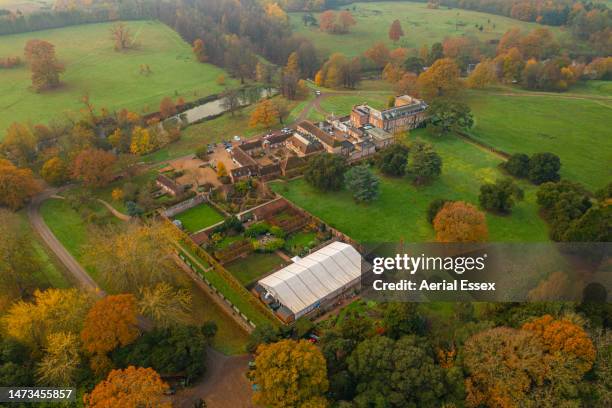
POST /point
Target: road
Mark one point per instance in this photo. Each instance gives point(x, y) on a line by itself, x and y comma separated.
point(78, 273)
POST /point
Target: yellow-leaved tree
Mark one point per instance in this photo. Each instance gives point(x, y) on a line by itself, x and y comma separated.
point(290, 374)
point(265, 114)
point(50, 311)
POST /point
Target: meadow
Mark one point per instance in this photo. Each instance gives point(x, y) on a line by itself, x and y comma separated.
point(422, 26)
point(199, 217)
point(111, 79)
point(577, 130)
point(400, 211)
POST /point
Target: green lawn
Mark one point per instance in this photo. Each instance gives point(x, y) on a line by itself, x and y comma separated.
point(577, 130)
point(51, 273)
point(199, 217)
point(254, 266)
point(422, 26)
point(400, 212)
point(111, 79)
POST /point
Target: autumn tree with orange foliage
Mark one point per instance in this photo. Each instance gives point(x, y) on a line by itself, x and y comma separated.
point(333, 23)
point(109, 324)
point(122, 37)
point(265, 114)
point(167, 107)
point(17, 185)
point(45, 68)
point(290, 374)
point(94, 167)
point(199, 51)
point(458, 221)
point(395, 31)
point(502, 365)
point(379, 54)
point(564, 340)
point(441, 79)
point(20, 144)
point(55, 171)
point(133, 387)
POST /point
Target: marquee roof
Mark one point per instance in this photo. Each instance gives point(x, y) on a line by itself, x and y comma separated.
point(310, 279)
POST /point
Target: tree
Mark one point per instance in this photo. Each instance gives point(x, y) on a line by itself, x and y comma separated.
point(290, 374)
point(165, 305)
point(327, 21)
point(441, 79)
point(167, 107)
point(517, 165)
point(378, 54)
point(141, 141)
point(264, 114)
point(398, 373)
point(55, 171)
point(122, 37)
point(482, 76)
point(199, 50)
point(500, 196)
point(132, 257)
point(502, 365)
point(403, 318)
point(326, 172)
point(424, 164)
point(564, 340)
point(263, 73)
point(448, 116)
point(593, 226)
point(460, 222)
point(221, 170)
point(562, 205)
point(339, 71)
point(544, 167)
point(436, 53)
point(363, 184)
point(395, 31)
point(132, 387)
point(20, 144)
point(263, 334)
point(346, 21)
point(17, 185)
point(407, 85)
point(110, 323)
point(61, 361)
point(414, 64)
point(434, 208)
point(392, 160)
point(50, 311)
point(45, 68)
point(94, 167)
point(172, 350)
point(19, 262)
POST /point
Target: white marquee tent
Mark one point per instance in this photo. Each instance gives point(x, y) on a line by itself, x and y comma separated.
point(303, 285)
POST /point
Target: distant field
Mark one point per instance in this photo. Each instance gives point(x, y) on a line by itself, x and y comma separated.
point(422, 26)
point(111, 79)
point(577, 130)
point(400, 212)
point(26, 6)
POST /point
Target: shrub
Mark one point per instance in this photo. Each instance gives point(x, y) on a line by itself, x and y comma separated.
point(517, 165)
point(434, 208)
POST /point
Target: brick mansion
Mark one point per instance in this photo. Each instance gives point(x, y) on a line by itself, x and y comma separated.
point(356, 136)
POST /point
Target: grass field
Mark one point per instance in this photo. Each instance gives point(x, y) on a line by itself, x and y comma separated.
point(577, 130)
point(400, 212)
point(199, 217)
point(111, 79)
point(254, 266)
point(422, 26)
